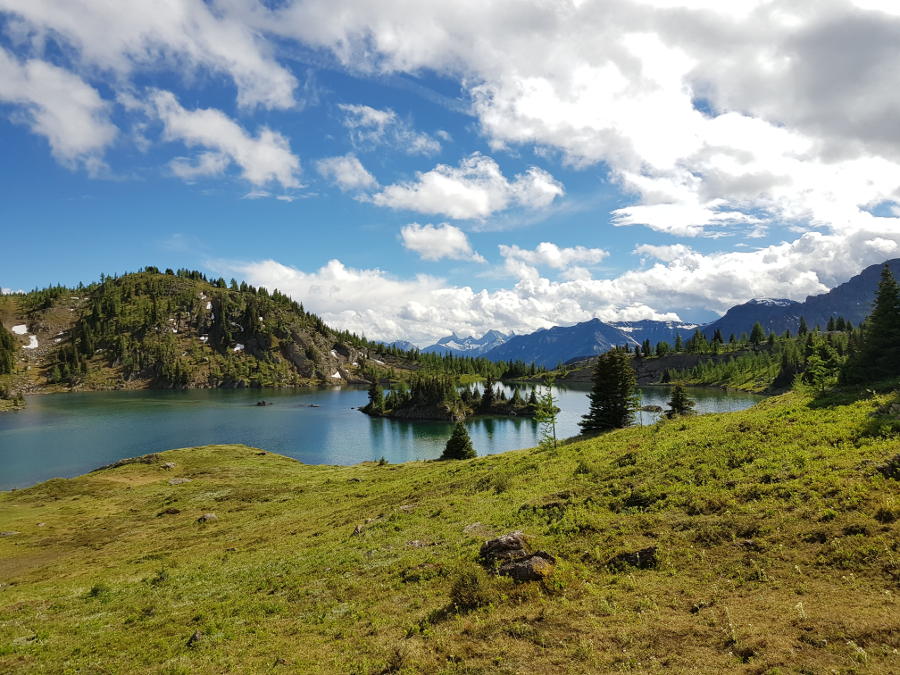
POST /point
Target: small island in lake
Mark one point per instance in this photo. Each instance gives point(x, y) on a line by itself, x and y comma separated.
point(438, 397)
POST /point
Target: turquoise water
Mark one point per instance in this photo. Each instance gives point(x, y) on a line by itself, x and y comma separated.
point(64, 435)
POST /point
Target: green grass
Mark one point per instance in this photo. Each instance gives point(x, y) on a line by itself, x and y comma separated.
point(776, 534)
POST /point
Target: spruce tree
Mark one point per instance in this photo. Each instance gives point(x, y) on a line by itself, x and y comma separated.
point(757, 334)
point(459, 445)
point(679, 404)
point(7, 351)
point(613, 396)
point(878, 356)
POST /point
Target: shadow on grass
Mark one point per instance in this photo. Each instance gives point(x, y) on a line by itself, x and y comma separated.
point(846, 394)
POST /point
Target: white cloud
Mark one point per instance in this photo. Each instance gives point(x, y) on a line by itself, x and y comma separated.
point(434, 242)
point(715, 116)
point(475, 189)
point(370, 127)
point(264, 159)
point(550, 255)
point(60, 106)
point(203, 165)
point(190, 36)
point(373, 303)
point(347, 172)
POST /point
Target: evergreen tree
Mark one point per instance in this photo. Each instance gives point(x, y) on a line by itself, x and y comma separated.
point(613, 396)
point(545, 412)
point(679, 345)
point(7, 351)
point(803, 329)
point(376, 397)
point(487, 398)
point(878, 356)
point(757, 334)
point(459, 445)
point(679, 404)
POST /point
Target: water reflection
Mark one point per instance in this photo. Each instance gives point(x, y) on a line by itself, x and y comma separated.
point(69, 434)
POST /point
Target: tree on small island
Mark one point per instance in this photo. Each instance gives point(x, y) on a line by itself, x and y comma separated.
point(614, 394)
point(459, 445)
point(679, 404)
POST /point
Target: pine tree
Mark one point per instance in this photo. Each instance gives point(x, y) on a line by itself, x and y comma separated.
point(7, 351)
point(487, 398)
point(545, 412)
point(613, 396)
point(679, 345)
point(878, 356)
point(376, 398)
point(679, 404)
point(757, 334)
point(803, 329)
point(459, 445)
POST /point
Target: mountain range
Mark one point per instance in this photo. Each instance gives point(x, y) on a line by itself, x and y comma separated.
point(550, 346)
point(468, 346)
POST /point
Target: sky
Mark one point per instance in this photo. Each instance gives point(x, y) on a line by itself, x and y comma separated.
point(412, 168)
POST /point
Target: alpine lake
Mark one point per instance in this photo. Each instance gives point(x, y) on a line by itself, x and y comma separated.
point(64, 435)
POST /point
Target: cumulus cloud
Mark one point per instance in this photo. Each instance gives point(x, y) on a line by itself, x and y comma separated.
point(550, 255)
point(263, 159)
point(475, 189)
point(60, 106)
point(380, 306)
point(347, 172)
point(191, 36)
point(434, 242)
point(370, 127)
point(716, 117)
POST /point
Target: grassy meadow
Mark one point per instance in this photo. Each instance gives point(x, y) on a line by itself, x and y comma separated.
point(776, 534)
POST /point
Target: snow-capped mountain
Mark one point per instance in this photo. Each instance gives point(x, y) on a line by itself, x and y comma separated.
point(468, 346)
point(655, 331)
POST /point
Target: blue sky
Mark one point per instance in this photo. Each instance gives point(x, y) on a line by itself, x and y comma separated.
point(408, 169)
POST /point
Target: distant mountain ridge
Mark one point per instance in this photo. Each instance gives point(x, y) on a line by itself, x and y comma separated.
point(468, 346)
point(851, 300)
point(550, 346)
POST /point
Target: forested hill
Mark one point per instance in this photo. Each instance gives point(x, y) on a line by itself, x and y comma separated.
point(182, 330)
point(178, 330)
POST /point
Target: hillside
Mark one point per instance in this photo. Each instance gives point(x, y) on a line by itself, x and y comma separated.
point(179, 331)
point(768, 539)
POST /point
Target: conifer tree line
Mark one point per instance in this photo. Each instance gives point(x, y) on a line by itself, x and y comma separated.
point(7, 351)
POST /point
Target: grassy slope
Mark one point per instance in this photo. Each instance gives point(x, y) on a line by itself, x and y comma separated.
point(778, 553)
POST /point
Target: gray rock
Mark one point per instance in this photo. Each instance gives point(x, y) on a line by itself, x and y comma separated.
point(179, 481)
point(503, 549)
point(534, 567)
point(168, 465)
point(195, 639)
point(9, 533)
point(207, 518)
point(357, 531)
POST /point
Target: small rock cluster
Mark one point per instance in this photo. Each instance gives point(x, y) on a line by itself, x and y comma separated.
point(509, 556)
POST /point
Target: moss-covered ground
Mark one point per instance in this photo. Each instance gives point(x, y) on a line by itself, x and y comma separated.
point(777, 534)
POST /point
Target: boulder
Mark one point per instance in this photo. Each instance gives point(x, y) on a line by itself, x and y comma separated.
point(179, 481)
point(503, 549)
point(207, 518)
point(509, 555)
point(534, 567)
point(195, 639)
point(643, 559)
point(168, 465)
